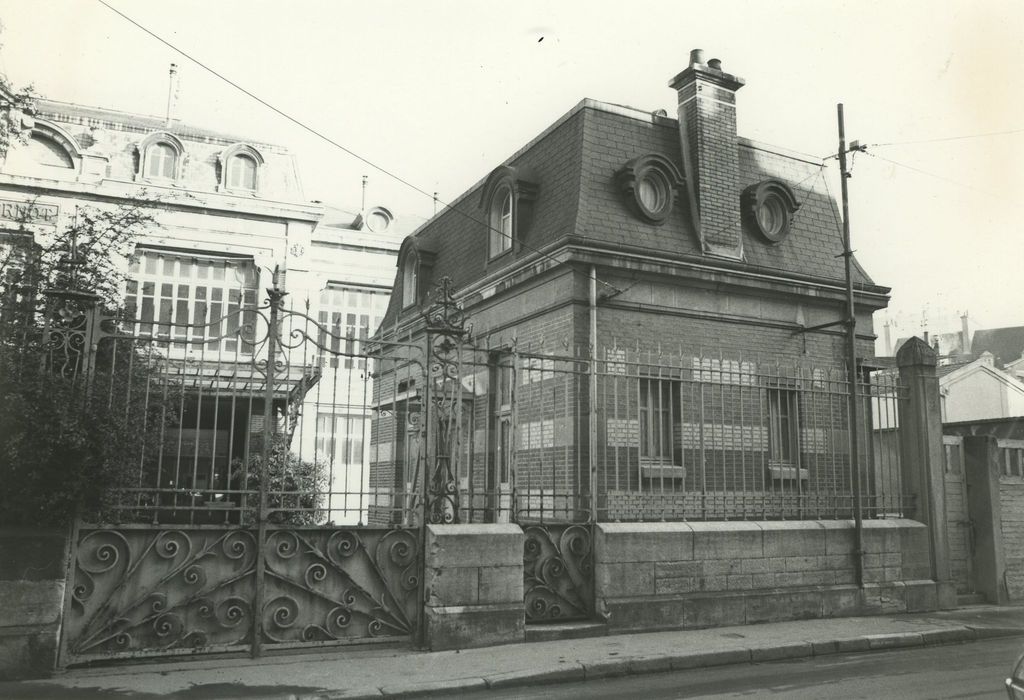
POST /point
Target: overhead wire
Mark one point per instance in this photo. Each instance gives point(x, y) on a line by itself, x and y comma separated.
point(334, 143)
point(925, 172)
point(948, 138)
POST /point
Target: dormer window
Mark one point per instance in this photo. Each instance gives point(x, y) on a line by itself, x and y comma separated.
point(507, 200)
point(242, 173)
point(650, 185)
point(160, 157)
point(410, 280)
point(161, 161)
point(240, 167)
point(47, 151)
point(501, 222)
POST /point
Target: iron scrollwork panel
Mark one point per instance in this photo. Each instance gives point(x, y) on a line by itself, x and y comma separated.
point(558, 572)
point(139, 592)
point(331, 585)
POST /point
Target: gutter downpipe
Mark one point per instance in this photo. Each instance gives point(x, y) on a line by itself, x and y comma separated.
point(592, 443)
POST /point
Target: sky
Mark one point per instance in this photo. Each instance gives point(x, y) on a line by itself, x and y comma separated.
point(439, 93)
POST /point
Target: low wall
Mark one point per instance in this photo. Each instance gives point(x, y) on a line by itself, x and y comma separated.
point(681, 575)
point(474, 586)
point(32, 574)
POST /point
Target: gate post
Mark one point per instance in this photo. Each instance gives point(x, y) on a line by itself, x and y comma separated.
point(276, 296)
point(921, 456)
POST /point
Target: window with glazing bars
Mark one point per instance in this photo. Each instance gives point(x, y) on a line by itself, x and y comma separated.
point(660, 422)
point(350, 315)
point(783, 427)
point(196, 300)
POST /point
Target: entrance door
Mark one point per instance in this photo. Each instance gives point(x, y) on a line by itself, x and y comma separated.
point(958, 523)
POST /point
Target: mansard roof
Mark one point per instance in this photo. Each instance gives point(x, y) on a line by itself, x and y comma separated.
point(574, 164)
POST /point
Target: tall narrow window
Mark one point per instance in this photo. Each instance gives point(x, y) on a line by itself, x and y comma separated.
point(659, 422)
point(242, 173)
point(161, 161)
point(501, 222)
point(410, 281)
point(783, 430)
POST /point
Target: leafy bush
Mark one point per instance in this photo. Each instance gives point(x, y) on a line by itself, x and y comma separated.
point(295, 487)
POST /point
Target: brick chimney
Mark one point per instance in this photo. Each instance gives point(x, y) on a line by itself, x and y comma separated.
point(707, 131)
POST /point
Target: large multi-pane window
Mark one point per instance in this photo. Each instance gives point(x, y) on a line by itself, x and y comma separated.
point(350, 314)
point(203, 302)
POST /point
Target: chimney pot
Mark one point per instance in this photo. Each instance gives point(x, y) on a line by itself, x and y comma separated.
point(697, 57)
point(715, 63)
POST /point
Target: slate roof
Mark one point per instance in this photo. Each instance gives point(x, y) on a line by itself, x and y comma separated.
point(1005, 344)
point(574, 164)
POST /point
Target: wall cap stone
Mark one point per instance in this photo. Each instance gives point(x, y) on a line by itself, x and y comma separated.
point(475, 529)
point(626, 528)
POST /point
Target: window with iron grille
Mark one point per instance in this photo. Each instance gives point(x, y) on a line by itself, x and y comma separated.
point(783, 431)
point(192, 299)
point(660, 422)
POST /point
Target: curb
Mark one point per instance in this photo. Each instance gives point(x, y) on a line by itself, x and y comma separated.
point(582, 671)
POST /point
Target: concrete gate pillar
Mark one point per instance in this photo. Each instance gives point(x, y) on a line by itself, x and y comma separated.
point(921, 457)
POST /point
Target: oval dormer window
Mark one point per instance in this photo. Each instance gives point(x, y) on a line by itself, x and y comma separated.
point(769, 207)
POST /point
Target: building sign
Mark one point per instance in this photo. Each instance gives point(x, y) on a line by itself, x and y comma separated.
point(29, 212)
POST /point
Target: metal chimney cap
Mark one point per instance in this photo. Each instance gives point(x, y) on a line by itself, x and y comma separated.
point(697, 57)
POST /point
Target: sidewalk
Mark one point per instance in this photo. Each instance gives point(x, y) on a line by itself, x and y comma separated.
point(347, 673)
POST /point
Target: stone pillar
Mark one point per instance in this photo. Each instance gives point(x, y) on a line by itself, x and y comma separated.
point(921, 456)
point(982, 469)
point(474, 586)
point(32, 582)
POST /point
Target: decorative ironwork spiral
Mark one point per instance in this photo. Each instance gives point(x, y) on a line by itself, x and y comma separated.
point(558, 572)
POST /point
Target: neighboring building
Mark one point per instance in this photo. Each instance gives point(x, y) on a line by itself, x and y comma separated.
point(229, 211)
point(1005, 344)
point(691, 260)
point(976, 390)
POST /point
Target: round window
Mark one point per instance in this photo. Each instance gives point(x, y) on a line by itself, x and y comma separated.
point(768, 208)
point(377, 222)
point(771, 217)
point(652, 194)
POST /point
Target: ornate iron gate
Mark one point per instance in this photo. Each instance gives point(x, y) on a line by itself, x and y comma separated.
point(276, 502)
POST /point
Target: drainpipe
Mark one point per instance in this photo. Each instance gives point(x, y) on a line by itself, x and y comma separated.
point(592, 445)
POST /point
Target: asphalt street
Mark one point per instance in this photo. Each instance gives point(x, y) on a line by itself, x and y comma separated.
point(956, 671)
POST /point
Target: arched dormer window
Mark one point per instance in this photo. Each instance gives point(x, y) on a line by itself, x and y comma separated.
point(160, 157)
point(47, 151)
point(416, 262)
point(240, 167)
point(507, 198)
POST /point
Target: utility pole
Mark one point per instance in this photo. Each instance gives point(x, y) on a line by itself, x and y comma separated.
point(851, 358)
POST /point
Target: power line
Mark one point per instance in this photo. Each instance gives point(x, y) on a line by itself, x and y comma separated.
point(949, 138)
point(331, 141)
point(937, 177)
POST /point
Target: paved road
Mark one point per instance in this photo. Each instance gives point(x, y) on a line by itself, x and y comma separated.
point(957, 671)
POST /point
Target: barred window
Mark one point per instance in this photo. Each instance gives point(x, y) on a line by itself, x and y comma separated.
point(660, 422)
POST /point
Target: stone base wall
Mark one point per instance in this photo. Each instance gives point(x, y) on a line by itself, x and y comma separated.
point(681, 575)
point(32, 566)
point(474, 586)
